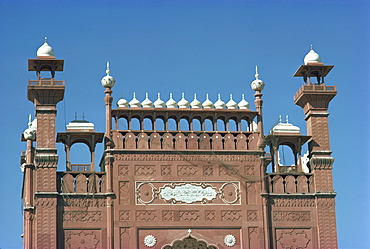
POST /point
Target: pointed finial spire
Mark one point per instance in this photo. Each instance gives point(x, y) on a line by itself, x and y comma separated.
point(256, 75)
point(311, 47)
point(29, 120)
point(286, 118)
point(83, 116)
point(75, 115)
point(280, 119)
point(45, 39)
point(108, 70)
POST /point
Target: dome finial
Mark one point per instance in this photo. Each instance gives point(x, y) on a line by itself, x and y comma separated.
point(108, 81)
point(280, 119)
point(257, 84)
point(108, 70)
point(256, 75)
point(45, 39)
point(311, 47)
point(287, 119)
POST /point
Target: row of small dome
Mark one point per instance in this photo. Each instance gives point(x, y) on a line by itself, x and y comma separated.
point(183, 103)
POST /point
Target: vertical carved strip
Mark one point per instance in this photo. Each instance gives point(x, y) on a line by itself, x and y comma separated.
point(253, 237)
point(326, 221)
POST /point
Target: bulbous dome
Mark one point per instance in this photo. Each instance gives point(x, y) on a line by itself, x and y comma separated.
point(207, 104)
point(122, 102)
point(231, 104)
point(312, 57)
point(147, 103)
point(108, 81)
point(135, 103)
point(159, 103)
point(171, 103)
point(183, 103)
point(195, 103)
point(243, 104)
point(219, 104)
point(45, 50)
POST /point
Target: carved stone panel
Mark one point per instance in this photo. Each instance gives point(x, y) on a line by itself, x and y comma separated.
point(76, 239)
point(123, 170)
point(146, 215)
point(294, 238)
point(208, 170)
point(292, 216)
point(144, 170)
point(124, 215)
point(252, 215)
point(124, 192)
point(166, 170)
point(82, 216)
point(187, 170)
point(231, 215)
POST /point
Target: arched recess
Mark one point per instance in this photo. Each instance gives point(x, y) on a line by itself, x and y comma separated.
point(232, 125)
point(122, 124)
point(159, 124)
point(196, 124)
point(80, 157)
point(134, 124)
point(148, 124)
point(171, 124)
point(221, 125)
point(208, 125)
point(244, 125)
point(184, 124)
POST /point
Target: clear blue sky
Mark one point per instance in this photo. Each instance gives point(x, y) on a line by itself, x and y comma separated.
point(193, 47)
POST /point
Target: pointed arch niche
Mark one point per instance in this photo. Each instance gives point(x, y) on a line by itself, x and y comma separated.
point(189, 242)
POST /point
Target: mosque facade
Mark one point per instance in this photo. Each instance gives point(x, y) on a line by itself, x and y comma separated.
point(179, 174)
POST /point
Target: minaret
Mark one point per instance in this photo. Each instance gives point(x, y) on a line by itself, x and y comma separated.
point(45, 93)
point(108, 82)
point(314, 98)
point(28, 198)
point(258, 85)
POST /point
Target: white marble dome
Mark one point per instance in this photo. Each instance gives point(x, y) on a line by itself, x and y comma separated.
point(312, 57)
point(45, 50)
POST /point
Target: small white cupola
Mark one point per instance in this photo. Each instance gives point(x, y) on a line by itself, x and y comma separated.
point(45, 49)
point(312, 57)
point(285, 128)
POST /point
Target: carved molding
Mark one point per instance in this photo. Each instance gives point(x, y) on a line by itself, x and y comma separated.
point(83, 202)
point(292, 202)
point(185, 157)
point(322, 163)
point(46, 160)
point(82, 216)
point(292, 216)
